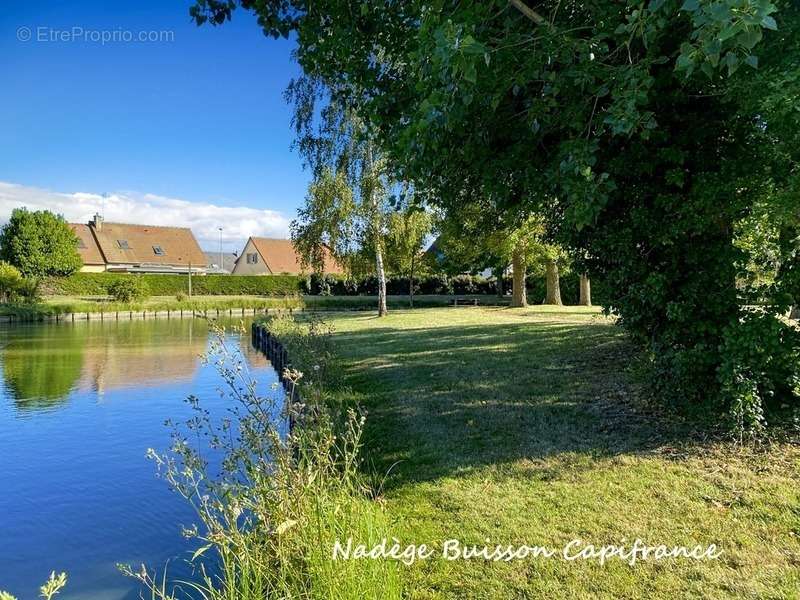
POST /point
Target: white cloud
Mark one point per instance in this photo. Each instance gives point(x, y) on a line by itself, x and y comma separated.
point(237, 222)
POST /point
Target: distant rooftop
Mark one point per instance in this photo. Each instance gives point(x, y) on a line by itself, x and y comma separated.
point(212, 261)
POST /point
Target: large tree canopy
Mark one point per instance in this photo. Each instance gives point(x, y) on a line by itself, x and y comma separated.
point(645, 131)
point(39, 243)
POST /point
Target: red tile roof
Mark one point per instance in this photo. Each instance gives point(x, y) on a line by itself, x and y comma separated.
point(88, 249)
point(123, 243)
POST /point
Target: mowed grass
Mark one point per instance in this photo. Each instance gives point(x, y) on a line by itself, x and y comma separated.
point(523, 426)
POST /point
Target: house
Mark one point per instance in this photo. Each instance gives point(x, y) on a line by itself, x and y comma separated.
point(213, 262)
point(122, 247)
point(268, 256)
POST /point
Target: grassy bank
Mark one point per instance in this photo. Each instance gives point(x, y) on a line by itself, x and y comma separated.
point(522, 426)
point(52, 305)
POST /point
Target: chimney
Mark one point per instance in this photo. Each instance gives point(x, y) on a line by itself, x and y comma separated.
point(97, 222)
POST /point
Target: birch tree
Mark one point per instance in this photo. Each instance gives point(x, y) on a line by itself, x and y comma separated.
point(407, 230)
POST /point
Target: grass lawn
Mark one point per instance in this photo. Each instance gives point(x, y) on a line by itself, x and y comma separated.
point(523, 426)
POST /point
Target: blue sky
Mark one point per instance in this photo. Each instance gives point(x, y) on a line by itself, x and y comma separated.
point(196, 118)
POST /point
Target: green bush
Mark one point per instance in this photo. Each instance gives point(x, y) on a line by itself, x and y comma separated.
point(29, 290)
point(440, 284)
point(10, 281)
point(760, 370)
point(97, 284)
point(129, 290)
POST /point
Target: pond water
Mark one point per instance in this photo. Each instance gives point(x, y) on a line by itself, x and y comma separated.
point(80, 404)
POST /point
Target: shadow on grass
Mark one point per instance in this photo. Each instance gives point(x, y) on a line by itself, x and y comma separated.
point(444, 400)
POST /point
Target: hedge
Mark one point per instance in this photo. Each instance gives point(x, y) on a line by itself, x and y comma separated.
point(464, 285)
point(97, 284)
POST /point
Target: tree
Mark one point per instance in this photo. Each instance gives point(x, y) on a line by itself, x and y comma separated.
point(339, 148)
point(39, 243)
point(10, 281)
point(462, 245)
point(550, 258)
point(553, 282)
point(524, 246)
point(346, 222)
point(653, 126)
point(585, 298)
point(325, 222)
point(407, 230)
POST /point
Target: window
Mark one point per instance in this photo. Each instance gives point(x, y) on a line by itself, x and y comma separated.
point(123, 244)
point(252, 258)
point(158, 251)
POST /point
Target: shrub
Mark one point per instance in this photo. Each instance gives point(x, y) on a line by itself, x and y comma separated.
point(10, 281)
point(760, 370)
point(28, 290)
point(129, 289)
point(180, 296)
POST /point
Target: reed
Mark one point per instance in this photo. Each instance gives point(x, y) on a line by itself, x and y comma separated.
point(268, 520)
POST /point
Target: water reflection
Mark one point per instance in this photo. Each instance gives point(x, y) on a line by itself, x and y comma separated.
point(79, 406)
point(40, 370)
point(43, 365)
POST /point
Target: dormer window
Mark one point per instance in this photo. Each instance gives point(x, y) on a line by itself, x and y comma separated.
point(158, 251)
point(123, 244)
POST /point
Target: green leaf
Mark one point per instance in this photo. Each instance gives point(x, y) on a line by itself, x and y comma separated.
point(732, 62)
point(691, 5)
point(769, 23)
point(752, 61)
point(750, 38)
point(720, 12)
point(683, 62)
point(730, 31)
point(200, 551)
point(471, 73)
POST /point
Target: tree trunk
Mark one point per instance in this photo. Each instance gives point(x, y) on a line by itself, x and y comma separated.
point(411, 285)
point(376, 232)
point(586, 291)
point(553, 284)
point(382, 311)
point(519, 296)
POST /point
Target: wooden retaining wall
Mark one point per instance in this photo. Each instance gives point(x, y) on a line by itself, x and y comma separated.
point(128, 315)
point(276, 353)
